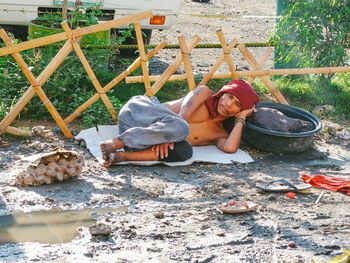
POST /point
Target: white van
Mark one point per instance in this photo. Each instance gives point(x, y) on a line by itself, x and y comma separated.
point(15, 15)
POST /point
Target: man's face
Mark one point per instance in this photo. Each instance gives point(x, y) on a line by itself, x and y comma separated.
point(228, 105)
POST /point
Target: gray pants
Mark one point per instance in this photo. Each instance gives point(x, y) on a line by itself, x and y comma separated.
point(144, 122)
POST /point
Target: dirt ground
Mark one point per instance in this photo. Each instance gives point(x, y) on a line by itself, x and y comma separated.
point(248, 21)
point(164, 214)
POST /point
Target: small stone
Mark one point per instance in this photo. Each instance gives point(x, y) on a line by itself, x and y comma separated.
point(154, 249)
point(159, 215)
point(220, 233)
point(292, 244)
point(100, 230)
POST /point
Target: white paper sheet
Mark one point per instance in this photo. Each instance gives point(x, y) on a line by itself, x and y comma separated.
point(209, 154)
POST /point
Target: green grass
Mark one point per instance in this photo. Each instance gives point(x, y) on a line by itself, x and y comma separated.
point(69, 87)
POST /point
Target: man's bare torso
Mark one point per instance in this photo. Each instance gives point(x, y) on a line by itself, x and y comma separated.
point(203, 129)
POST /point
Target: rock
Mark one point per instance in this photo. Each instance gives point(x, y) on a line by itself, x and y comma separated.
point(292, 244)
point(159, 215)
point(220, 233)
point(100, 230)
point(41, 131)
point(154, 249)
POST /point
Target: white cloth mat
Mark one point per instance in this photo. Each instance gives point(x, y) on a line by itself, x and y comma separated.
point(209, 154)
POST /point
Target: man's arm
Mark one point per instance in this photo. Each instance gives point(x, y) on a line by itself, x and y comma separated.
point(231, 143)
point(193, 100)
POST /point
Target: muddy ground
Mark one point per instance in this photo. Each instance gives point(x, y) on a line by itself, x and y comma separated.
point(165, 214)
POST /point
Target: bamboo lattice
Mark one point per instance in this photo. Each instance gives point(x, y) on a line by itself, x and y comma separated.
point(72, 38)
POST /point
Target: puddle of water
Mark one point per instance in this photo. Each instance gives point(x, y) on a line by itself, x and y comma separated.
point(48, 226)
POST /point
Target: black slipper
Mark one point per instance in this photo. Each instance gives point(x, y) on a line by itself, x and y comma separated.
point(282, 185)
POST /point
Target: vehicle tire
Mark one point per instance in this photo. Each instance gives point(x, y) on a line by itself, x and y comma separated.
point(20, 32)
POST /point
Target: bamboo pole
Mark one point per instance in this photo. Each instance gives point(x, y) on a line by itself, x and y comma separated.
point(16, 131)
point(42, 78)
point(172, 67)
point(143, 58)
point(227, 51)
point(114, 82)
point(77, 33)
point(37, 87)
point(261, 62)
point(64, 10)
point(250, 73)
point(154, 78)
point(89, 71)
point(265, 79)
point(187, 63)
point(218, 63)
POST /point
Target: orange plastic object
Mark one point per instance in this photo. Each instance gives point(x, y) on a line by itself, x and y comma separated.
point(157, 20)
point(328, 182)
point(290, 195)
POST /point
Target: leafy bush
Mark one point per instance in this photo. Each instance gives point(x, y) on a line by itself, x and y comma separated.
point(315, 32)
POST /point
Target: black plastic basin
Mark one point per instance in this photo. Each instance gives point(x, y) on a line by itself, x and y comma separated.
point(282, 142)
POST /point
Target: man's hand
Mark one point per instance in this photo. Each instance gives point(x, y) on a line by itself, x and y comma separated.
point(162, 149)
point(246, 113)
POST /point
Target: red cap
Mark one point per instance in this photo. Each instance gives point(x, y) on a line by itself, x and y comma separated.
point(239, 88)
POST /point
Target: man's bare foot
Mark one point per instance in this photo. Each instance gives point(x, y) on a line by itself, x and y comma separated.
point(110, 146)
point(112, 158)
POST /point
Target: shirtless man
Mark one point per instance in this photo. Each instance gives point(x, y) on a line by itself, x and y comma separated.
point(153, 131)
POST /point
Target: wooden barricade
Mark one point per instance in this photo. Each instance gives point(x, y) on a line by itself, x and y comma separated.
point(225, 56)
point(72, 38)
point(72, 43)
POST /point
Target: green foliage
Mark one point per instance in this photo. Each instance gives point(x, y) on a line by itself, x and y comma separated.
point(315, 33)
point(311, 93)
point(69, 87)
point(76, 17)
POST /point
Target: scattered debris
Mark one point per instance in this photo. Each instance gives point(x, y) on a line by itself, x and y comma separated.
point(319, 198)
point(41, 131)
